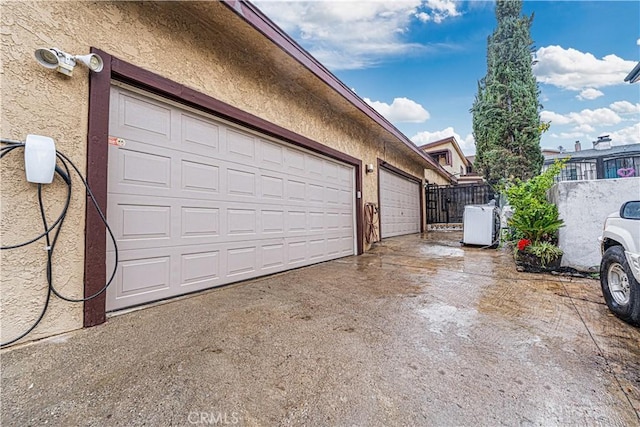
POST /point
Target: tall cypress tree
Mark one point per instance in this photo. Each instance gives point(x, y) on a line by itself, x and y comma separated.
point(506, 121)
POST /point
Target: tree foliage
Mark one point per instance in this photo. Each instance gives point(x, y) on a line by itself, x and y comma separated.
point(506, 121)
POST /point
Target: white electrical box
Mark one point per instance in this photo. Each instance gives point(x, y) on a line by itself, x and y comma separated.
point(481, 225)
point(39, 159)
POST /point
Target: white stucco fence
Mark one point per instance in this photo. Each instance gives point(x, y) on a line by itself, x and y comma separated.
point(583, 205)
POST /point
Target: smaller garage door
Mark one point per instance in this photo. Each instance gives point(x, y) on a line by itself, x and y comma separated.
point(399, 205)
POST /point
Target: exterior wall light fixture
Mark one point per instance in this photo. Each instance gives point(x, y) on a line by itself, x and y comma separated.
point(56, 59)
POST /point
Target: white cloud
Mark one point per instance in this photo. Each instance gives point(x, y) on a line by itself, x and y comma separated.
point(439, 11)
point(467, 144)
point(575, 70)
point(584, 128)
point(628, 135)
point(568, 135)
point(638, 42)
point(600, 117)
point(590, 93)
point(554, 118)
point(400, 110)
point(587, 125)
point(355, 34)
point(423, 17)
point(625, 107)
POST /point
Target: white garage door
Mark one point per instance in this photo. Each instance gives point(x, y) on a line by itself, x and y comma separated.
point(399, 205)
point(195, 202)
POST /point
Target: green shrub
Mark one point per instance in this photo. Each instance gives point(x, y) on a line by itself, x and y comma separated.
point(534, 218)
point(546, 252)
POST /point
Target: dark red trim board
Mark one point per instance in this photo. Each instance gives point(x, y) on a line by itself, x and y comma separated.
point(95, 250)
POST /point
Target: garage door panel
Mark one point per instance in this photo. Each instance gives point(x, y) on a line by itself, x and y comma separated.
point(241, 260)
point(139, 168)
point(316, 221)
point(317, 248)
point(144, 221)
point(316, 193)
point(137, 117)
point(199, 136)
point(241, 147)
point(128, 221)
point(199, 177)
point(271, 187)
point(200, 221)
point(145, 275)
point(296, 190)
point(215, 204)
point(240, 182)
point(199, 267)
point(272, 156)
point(272, 221)
point(297, 252)
point(294, 162)
point(273, 256)
point(138, 279)
point(331, 172)
point(315, 167)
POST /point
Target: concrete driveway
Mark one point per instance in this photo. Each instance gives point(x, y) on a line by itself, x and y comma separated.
point(420, 331)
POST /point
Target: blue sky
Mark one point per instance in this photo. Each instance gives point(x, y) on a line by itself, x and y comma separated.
point(418, 62)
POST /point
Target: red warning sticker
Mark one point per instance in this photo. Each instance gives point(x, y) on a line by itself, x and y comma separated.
point(119, 142)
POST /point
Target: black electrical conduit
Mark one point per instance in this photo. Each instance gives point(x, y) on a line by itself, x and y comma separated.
point(65, 174)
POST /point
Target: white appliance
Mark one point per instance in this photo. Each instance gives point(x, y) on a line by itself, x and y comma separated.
point(481, 225)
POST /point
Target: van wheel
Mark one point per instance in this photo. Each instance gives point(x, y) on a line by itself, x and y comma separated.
point(620, 289)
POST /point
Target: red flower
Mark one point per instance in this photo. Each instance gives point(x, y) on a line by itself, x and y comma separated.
point(523, 243)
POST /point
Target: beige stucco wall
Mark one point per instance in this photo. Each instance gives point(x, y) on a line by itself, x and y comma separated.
point(435, 178)
point(202, 45)
point(457, 163)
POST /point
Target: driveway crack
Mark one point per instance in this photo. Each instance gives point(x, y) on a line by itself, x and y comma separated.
point(602, 353)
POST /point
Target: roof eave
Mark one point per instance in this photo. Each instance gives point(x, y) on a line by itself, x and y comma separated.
point(254, 17)
point(634, 75)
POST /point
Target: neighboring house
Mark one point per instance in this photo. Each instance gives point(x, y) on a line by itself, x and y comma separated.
point(449, 155)
point(604, 161)
point(242, 156)
point(547, 152)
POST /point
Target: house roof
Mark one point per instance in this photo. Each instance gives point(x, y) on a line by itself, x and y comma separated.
point(614, 151)
point(254, 17)
point(432, 146)
point(634, 75)
point(550, 152)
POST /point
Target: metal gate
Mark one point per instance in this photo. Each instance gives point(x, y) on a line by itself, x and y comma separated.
point(445, 204)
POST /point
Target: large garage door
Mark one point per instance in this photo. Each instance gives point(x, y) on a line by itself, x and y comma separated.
point(195, 202)
point(399, 205)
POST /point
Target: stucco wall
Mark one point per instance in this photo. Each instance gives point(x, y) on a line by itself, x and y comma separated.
point(583, 205)
point(202, 45)
point(458, 163)
point(456, 160)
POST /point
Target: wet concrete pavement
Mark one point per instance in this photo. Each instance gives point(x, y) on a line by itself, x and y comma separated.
point(419, 331)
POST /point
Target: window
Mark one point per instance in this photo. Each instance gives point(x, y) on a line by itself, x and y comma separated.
point(622, 168)
point(442, 157)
